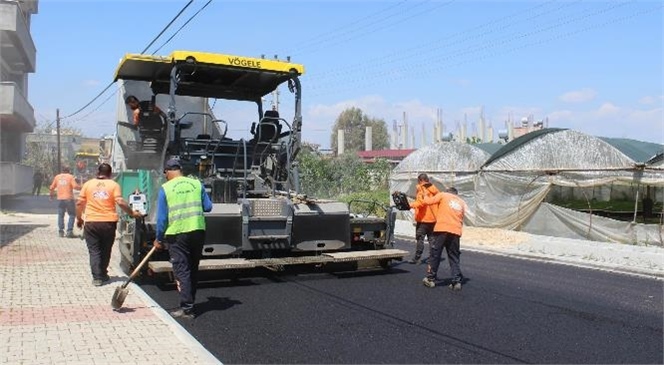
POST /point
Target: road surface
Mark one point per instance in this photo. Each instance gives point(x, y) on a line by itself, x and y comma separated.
point(509, 311)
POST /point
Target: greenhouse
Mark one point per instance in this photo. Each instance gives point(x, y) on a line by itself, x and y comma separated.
point(561, 183)
point(446, 163)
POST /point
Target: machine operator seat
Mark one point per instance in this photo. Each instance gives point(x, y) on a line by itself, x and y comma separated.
point(151, 127)
point(269, 127)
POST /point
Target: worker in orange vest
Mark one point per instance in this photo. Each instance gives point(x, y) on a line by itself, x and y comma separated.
point(425, 216)
point(446, 234)
point(63, 187)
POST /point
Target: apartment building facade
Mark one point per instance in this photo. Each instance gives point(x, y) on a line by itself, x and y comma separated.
point(18, 56)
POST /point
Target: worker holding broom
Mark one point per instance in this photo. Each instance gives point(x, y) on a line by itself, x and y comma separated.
point(98, 199)
point(181, 227)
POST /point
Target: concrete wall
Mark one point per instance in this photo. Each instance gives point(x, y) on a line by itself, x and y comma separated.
point(15, 178)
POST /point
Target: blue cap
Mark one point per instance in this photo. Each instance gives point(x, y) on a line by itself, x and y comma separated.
point(172, 164)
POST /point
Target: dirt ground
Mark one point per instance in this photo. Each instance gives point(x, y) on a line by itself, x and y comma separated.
point(494, 237)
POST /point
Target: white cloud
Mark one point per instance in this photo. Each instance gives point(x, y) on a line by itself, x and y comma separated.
point(518, 112)
point(319, 118)
point(610, 120)
point(578, 96)
point(648, 100)
point(90, 83)
point(560, 115)
point(608, 109)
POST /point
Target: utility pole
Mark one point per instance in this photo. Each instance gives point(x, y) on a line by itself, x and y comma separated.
point(57, 121)
point(275, 99)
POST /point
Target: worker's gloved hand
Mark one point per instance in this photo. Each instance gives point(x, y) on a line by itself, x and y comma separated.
point(158, 245)
point(79, 223)
point(136, 214)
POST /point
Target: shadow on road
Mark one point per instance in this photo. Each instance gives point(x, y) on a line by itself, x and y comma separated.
point(216, 304)
point(29, 204)
point(12, 232)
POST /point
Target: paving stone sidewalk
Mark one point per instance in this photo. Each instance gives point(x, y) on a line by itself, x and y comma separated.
point(50, 313)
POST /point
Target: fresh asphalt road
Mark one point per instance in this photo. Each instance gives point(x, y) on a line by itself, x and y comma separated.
point(509, 311)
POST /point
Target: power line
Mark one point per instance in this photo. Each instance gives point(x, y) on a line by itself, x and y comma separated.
point(111, 84)
point(97, 108)
point(438, 66)
point(90, 102)
point(466, 34)
point(183, 25)
point(313, 40)
point(371, 30)
point(484, 44)
point(334, 39)
point(167, 26)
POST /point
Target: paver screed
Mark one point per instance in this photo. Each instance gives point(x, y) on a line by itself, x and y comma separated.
point(50, 313)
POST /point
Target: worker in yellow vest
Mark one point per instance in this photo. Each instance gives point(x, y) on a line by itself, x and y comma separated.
point(181, 229)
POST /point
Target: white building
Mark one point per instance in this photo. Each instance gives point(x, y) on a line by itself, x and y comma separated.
point(17, 117)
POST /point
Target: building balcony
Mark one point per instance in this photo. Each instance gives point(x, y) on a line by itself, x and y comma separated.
point(16, 44)
point(30, 6)
point(16, 113)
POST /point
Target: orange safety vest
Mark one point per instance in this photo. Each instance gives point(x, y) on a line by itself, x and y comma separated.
point(425, 213)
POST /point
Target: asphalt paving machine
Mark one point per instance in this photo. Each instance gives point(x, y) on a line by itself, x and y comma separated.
point(260, 218)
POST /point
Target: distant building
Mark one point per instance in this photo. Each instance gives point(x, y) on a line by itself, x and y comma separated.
point(69, 145)
point(17, 117)
point(392, 156)
point(526, 127)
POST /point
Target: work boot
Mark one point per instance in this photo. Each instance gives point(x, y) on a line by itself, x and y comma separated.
point(455, 286)
point(414, 260)
point(429, 283)
point(61, 233)
point(70, 234)
point(97, 282)
point(181, 313)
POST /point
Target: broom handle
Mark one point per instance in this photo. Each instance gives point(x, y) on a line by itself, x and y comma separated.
point(138, 268)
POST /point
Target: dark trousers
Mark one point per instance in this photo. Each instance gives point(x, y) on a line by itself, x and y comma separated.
point(70, 207)
point(422, 230)
point(449, 242)
point(186, 250)
point(99, 237)
point(36, 187)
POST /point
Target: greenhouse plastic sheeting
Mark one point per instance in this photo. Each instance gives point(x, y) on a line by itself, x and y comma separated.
point(447, 164)
point(557, 221)
point(510, 190)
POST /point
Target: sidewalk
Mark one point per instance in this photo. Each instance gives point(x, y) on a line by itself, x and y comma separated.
point(615, 257)
point(51, 314)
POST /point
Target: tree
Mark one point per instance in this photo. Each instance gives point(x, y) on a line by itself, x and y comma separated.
point(39, 157)
point(354, 122)
point(473, 140)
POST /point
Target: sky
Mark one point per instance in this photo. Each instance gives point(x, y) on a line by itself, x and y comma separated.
point(592, 66)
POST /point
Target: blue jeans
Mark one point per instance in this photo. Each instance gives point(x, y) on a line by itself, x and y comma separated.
point(69, 207)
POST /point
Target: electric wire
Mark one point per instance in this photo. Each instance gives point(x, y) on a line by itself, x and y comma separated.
point(370, 31)
point(484, 44)
point(423, 71)
point(181, 27)
point(502, 23)
point(157, 50)
point(167, 26)
point(353, 22)
point(111, 84)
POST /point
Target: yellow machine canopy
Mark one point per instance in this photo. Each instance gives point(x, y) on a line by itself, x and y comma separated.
point(209, 75)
